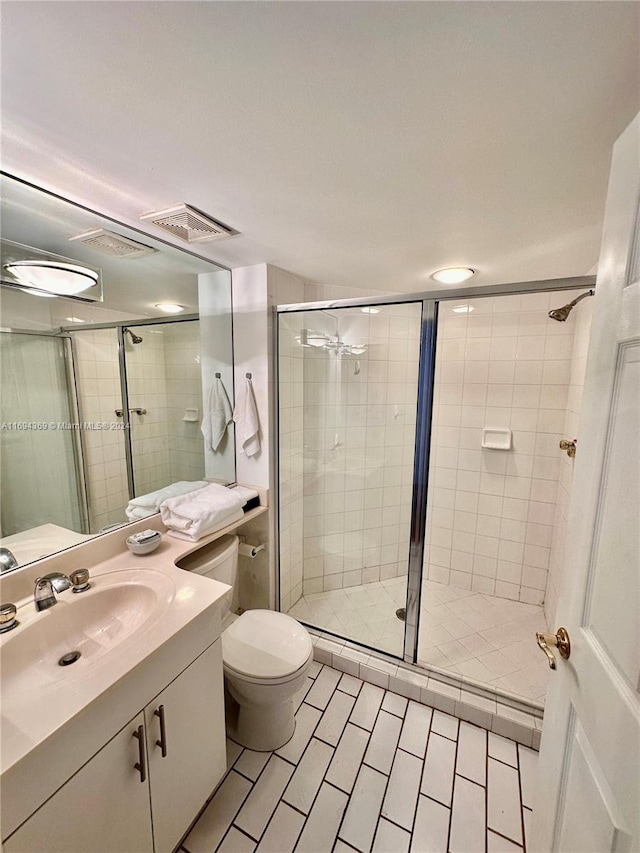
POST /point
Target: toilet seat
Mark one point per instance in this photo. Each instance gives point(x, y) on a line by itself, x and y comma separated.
point(263, 646)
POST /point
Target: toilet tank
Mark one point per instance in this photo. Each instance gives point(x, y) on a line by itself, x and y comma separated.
point(217, 560)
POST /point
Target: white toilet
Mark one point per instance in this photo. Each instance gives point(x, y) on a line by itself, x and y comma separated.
point(266, 656)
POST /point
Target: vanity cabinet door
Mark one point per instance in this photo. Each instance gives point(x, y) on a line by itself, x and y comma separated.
point(186, 723)
point(104, 808)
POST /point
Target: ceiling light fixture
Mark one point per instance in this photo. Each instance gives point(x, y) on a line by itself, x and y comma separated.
point(453, 275)
point(170, 307)
point(54, 277)
point(370, 310)
point(32, 292)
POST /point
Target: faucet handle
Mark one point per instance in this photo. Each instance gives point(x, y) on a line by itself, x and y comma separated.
point(80, 580)
point(8, 617)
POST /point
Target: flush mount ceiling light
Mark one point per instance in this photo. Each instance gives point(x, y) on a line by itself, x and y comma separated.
point(370, 310)
point(54, 277)
point(43, 273)
point(453, 275)
point(32, 292)
point(169, 307)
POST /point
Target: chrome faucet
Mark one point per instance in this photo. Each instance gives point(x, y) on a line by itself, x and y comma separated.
point(7, 560)
point(44, 594)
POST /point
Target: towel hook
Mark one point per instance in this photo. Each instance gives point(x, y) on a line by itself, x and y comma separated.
point(248, 375)
point(218, 375)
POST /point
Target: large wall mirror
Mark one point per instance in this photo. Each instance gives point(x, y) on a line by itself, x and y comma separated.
point(102, 402)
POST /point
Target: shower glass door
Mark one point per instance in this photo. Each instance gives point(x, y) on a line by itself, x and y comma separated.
point(164, 398)
point(348, 398)
point(38, 441)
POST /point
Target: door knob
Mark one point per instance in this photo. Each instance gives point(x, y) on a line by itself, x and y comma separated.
point(559, 641)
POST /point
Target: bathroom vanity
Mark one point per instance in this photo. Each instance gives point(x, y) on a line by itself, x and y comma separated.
point(121, 749)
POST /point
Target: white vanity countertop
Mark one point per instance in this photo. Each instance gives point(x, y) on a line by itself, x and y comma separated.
point(49, 728)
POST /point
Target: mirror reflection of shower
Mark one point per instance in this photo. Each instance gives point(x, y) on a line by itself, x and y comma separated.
point(135, 339)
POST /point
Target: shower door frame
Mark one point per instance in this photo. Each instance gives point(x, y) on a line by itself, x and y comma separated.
point(122, 370)
point(426, 382)
point(79, 456)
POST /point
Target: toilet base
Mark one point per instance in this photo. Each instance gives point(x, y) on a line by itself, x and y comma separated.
point(262, 728)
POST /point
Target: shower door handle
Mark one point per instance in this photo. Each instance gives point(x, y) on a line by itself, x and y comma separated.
point(137, 410)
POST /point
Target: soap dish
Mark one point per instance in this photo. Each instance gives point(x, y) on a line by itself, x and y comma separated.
point(144, 542)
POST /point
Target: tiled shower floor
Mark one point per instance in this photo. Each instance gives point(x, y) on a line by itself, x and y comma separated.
point(490, 640)
point(367, 770)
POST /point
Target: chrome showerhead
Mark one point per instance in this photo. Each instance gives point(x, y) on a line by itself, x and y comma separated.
point(135, 339)
point(561, 314)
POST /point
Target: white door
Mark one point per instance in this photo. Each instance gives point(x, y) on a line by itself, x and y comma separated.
point(588, 795)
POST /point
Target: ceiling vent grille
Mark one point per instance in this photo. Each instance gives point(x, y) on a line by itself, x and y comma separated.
point(188, 224)
point(113, 244)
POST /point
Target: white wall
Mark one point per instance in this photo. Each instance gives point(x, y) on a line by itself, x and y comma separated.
point(216, 356)
point(256, 290)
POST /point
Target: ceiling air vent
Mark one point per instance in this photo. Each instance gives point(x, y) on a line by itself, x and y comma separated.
point(188, 224)
point(113, 244)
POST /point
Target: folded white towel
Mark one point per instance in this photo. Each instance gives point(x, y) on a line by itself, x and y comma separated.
point(203, 531)
point(217, 415)
point(145, 505)
point(246, 417)
point(244, 492)
point(197, 514)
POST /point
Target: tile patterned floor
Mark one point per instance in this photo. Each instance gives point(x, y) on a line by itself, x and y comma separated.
point(367, 770)
point(487, 639)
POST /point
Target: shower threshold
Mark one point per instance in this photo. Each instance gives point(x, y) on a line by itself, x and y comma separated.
point(485, 641)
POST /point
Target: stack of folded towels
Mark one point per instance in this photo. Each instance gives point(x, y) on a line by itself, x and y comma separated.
point(149, 504)
point(204, 511)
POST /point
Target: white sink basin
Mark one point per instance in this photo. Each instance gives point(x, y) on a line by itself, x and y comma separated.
point(119, 607)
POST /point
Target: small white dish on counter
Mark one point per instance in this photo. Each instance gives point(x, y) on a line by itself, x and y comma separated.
point(144, 542)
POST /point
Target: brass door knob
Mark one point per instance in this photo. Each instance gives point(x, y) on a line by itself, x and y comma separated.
point(569, 446)
point(559, 641)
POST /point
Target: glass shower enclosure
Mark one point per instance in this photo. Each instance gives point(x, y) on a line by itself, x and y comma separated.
point(422, 489)
point(349, 396)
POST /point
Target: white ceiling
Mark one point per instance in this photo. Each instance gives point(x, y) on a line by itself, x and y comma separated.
point(359, 144)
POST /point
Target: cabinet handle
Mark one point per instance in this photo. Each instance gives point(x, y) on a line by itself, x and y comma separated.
point(141, 764)
point(162, 743)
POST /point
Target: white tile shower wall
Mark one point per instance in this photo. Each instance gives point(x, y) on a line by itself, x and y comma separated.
point(359, 434)
point(147, 387)
point(184, 400)
point(580, 320)
point(98, 382)
point(503, 364)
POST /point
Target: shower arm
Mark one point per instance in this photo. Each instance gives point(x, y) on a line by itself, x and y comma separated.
point(581, 297)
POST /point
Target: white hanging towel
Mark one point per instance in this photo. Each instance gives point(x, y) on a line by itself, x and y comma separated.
point(245, 416)
point(217, 415)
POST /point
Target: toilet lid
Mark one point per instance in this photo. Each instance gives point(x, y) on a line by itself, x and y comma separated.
point(265, 644)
